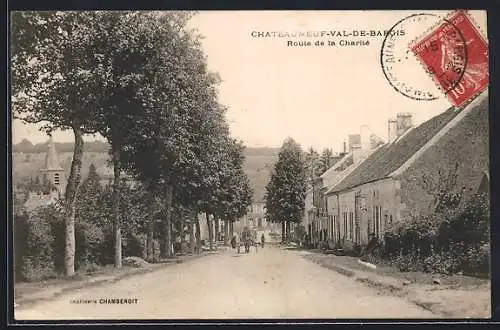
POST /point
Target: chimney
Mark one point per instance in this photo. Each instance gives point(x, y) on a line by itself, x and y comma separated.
point(365, 137)
point(404, 122)
point(345, 146)
point(393, 130)
point(354, 140)
point(356, 153)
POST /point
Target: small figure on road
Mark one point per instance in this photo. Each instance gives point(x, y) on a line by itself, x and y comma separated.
point(262, 240)
point(246, 236)
point(235, 243)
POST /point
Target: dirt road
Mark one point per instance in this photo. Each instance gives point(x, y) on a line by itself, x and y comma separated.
point(271, 283)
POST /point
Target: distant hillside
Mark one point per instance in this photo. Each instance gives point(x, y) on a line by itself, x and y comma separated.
point(25, 146)
point(29, 159)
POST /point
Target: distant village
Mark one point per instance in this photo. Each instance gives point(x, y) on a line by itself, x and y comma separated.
point(372, 184)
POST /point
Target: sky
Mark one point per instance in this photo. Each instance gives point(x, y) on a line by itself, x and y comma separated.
point(314, 94)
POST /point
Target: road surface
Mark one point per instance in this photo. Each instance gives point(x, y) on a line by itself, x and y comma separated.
point(271, 283)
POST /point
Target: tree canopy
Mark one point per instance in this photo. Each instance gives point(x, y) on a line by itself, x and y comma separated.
point(285, 191)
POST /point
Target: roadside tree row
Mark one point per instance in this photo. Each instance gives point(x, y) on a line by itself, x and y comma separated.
point(140, 80)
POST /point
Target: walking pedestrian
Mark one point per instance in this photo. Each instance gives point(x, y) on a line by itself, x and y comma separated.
point(262, 240)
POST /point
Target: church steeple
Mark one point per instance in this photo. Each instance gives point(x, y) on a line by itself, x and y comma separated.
point(51, 159)
point(53, 170)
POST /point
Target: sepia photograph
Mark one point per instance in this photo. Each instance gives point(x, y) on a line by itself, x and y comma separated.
point(250, 165)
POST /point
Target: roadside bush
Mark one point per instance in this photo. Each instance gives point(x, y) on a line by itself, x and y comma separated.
point(408, 263)
point(133, 246)
point(39, 259)
point(89, 268)
point(476, 260)
point(107, 248)
point(20, 226)
point(34, 270)
point(88, 241)
point(445, 242)
point(442, 263)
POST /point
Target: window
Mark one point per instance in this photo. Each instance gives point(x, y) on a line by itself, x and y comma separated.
point(56, 178)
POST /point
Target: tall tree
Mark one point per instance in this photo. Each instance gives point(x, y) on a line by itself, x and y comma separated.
point(285, 191)
point(325, 161)
point(124, 60)
point(311, 165)
point(89, 204)
point(177, 96)
point(53, 83)
point(234, 195)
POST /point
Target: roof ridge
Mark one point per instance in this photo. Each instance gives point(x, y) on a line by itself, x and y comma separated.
point(343, 174)
point(337, 164)
point(392, 156)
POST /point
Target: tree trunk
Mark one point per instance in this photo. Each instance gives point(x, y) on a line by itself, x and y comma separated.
point(167, 242)
point(210, 231)
point(283, 231)
point(231, 229)
point(115, 206)
point(198, 233)
point(150, 243)
point(191, 235)
point(70, 203)
point(217, 230)
point(182, 232)
point(288, 231)
point(226, 231)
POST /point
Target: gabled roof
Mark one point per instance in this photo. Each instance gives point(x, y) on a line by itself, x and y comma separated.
point(338, 164)
point(389, 157)
point(34, 201)
point(344, 171)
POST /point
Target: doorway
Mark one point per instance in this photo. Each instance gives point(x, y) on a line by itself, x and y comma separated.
point(357, 218)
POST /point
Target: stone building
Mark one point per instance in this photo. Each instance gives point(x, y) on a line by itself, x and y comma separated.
point(54, 174)
point(316, 221)
point(396, 182)
point(255, 219)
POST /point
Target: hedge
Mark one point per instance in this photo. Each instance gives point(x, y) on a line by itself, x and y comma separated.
point(40, 240)
point(444, 242)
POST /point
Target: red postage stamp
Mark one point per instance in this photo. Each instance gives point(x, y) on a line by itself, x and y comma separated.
point(456, 55)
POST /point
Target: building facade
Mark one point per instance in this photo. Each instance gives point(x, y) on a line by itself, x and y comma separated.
point(254, 219)
point(319, 222)
point(399, 180)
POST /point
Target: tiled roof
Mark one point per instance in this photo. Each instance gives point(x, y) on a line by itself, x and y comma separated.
point(35, 201)
point(337, 164)
point(390, 157)
point(346, 170)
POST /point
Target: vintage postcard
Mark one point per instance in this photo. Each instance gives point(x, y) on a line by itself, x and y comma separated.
point(233, 165)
